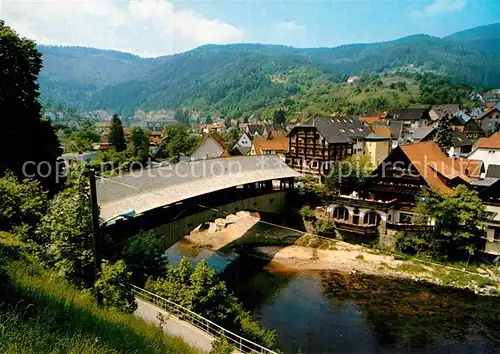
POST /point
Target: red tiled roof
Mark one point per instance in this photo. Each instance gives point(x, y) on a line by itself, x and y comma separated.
point(382, 130)
point(433, 165)
point(493, 142)
point(276, 144)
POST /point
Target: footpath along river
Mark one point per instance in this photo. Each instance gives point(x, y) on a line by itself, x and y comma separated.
point(338, 312)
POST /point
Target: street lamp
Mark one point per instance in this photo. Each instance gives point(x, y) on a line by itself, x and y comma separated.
point(128, 214)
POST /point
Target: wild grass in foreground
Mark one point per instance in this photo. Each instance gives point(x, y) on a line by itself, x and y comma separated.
point(40, 313)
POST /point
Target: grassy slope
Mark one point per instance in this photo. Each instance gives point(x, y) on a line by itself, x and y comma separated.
point(42, 314)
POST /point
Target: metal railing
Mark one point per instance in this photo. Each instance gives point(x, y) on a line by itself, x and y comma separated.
point(239, 343)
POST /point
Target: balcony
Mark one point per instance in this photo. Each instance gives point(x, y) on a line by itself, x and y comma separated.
point(381, 205)
point(408, 227)
point(343, 225)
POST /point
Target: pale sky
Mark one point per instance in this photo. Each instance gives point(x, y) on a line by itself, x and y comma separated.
point(154, 27)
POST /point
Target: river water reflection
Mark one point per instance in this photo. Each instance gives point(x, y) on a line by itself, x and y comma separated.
point(330, 312)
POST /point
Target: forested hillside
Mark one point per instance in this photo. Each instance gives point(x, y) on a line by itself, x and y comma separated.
point(245, 79)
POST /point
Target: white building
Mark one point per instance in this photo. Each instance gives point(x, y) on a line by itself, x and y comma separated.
point(487, 150)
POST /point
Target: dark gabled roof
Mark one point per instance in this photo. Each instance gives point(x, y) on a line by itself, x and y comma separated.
point(450, 108)
point(337, 129)
point(471, 126)
point(493, 171)
point(460, 139)
point(402, 114)
point(256, 128)
point(457, 121)
point(396, 127)
point(491, 111)
point(420, 133)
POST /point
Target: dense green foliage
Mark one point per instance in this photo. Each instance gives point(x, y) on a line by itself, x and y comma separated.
point(64, 235)
point(116, 134)
point(40, 313)
point(24, 136)
point(200, 290)
point(444, 134)
point(307, 213)
point(245, 79)
point(112, 286)
point(139, 144)
point(77, 138)
point(436, 90)
point(145, 257)
point(457, 217)
point(178, 141)
point(22, 204)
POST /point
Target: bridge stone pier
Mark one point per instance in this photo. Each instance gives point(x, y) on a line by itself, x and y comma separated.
point(173, 200)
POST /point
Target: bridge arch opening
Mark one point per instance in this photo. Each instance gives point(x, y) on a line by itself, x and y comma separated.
point(341, 213)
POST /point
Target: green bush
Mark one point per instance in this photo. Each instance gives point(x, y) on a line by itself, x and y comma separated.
point(200, 290)
point(221, 346)
point(144, 255)
point(114, 286)
point(21, 204)
point(325, 228)
point(307, 213)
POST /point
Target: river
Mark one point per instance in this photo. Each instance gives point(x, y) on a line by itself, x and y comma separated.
point(332, 312)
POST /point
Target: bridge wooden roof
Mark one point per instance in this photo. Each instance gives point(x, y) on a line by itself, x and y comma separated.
point(152, 188)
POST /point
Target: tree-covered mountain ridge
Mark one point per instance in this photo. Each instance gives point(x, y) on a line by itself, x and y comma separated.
point(237, 79)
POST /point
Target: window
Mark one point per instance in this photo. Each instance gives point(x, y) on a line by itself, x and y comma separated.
point(351, 130)
point(405, 218)
point(342, 130)
point(341, 213)
point(496, 234)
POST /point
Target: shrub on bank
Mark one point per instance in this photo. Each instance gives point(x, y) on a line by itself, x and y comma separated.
point(200, 290)
point(325, 228)
point(307, 213)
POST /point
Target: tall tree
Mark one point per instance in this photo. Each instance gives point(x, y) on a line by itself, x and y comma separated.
point(182, 115)
point(443, 134)
point(117, 136)
point(457, 217)
point(178, 141)
point(25, 137)
point(139, 144)
point(279, 116)
point(65, 231)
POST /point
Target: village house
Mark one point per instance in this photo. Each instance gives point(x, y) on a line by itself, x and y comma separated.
point(370, 118)
point(487, 150)
point(490, 120)
point(469, 127)
point(278, 146)
point(383, 204)
point(321, 141)
point(461, 144)
point(217, 127)
point(243, 145)
point(102, 126)
point(353, 79)
point(411, 117)
point(211, 146)
point(439, 111)
point(159, 125)
point(392, 129)
point(377, 148)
